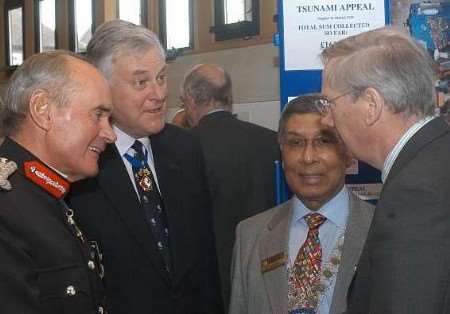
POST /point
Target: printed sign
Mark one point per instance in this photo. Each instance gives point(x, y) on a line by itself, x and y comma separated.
point(311, 25)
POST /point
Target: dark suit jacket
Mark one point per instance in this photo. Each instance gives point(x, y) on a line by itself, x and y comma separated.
point(40, 255)
point(405, 265)
point(135, 276)
point(241, 176)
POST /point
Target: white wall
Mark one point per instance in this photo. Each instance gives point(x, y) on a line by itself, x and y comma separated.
point(255, 81)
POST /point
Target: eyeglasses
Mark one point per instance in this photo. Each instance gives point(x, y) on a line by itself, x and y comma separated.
point(323, 105)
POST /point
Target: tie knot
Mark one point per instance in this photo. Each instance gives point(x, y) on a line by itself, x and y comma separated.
point(139, 149)
point(314, 220)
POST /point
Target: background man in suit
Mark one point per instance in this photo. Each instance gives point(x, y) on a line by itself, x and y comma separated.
point(239, 157)
point(269, 274)
point(56, 122)
point(380, 86)
point(149, 208)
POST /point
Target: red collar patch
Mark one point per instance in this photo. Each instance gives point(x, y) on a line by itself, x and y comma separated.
point(46, 178)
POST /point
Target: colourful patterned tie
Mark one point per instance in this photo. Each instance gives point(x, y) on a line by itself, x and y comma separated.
point(304, 278)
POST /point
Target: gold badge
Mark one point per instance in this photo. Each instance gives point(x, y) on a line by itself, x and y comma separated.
point(144, 180)
point(273, 262)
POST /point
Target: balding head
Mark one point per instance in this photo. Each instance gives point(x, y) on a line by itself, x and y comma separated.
point(208, 84)
point(206, 87)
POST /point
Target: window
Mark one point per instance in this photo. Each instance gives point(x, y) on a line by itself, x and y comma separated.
point(176, 24)
point(14, 32)
point(80, 24)
point(236, 19)
point(134, 11)
point(45, 25)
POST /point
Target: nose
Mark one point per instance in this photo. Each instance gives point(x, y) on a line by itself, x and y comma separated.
point(107, 133)
point(309, 154)
point(328, 119)
point(157, 91)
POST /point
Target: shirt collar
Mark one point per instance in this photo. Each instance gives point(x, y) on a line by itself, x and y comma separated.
point(125, 141)
point(216, 110)
point(393, 154)
point(335, 210)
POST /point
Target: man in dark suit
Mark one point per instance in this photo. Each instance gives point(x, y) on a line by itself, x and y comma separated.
point(56, 122)
point(380, 86)
point(239, 157)
point(149, 208)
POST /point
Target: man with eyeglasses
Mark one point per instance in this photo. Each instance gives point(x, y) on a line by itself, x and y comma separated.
point(299, 256)
point(382, 103)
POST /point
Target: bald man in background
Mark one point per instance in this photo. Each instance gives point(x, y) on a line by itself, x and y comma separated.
point(239, 157)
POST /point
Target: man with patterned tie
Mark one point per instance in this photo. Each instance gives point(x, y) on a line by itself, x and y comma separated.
point(149, 208)
point(299, 257)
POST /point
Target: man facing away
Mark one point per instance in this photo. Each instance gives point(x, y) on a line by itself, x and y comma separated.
point(299, 257)
point(149, 208)
point(56, 122)
point(239, 157)
point(380, 86)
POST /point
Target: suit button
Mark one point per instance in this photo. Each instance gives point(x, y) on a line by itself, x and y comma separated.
point(176, 295)
point(91, 265)
point(70, 291)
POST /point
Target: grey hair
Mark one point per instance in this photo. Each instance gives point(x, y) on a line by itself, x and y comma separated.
point(49, 71)
point(307, 103)
point(117, 37)
point(203, 89)
point(388, 60)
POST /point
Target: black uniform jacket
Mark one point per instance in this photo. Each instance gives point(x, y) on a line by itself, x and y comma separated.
point(44, 267)
point(136, 279)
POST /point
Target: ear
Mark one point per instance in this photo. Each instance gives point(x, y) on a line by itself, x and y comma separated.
point(348, 158)
point(40, 109)
point(374, 105)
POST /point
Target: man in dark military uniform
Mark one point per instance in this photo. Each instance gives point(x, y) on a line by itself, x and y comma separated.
point(56, 123)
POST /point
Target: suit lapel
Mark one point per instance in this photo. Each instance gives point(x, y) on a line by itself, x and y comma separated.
point(274, 242)
point(358, 224)
point(115, 182)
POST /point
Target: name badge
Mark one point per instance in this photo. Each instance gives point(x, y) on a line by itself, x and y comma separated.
point(273, 262)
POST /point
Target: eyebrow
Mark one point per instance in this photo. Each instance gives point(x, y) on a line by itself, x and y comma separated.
point(322, 132)
point(141, 72)
point(105, 108)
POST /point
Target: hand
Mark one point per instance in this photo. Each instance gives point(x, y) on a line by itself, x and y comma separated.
point(7, 167)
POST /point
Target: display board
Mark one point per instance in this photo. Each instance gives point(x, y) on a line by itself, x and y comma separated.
point(305, 27)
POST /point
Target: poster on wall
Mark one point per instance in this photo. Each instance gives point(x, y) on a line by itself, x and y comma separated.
point(429, 23)
point(311, 25)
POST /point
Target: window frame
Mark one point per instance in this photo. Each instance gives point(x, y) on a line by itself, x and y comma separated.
point(144, 12)
point(37, 26)
point(11, 5)
point(242, 29)
point(72, 24)
point(163, 30)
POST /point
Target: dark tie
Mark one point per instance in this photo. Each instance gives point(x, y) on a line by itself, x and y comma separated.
point(304, 280)
point(151, 200)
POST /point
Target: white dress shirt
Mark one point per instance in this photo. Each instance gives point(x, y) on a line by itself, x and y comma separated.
point(392, 156)
point(124, 143)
